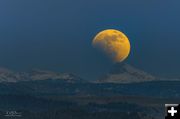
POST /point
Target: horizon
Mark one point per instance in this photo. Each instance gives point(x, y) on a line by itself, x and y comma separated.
point(113, 70)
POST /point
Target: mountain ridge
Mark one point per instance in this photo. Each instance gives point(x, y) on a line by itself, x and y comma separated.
point(7, 75)
point(120, 73)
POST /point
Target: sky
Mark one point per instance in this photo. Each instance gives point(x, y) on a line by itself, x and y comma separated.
point(57, 34)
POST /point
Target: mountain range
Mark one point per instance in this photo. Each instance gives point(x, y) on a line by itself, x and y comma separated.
point(7, 75)
point(120, 73)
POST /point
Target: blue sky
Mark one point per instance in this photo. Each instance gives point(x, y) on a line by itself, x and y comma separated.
point(57, 35)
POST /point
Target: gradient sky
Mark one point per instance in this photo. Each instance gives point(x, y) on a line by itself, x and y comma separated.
point(57, 34)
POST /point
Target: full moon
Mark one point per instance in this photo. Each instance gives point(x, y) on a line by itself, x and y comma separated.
point(114, 43)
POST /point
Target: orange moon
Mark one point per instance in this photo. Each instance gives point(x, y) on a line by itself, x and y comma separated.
point(114, 43)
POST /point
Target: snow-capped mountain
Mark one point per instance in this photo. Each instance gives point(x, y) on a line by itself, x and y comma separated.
point(124, 73)
point(7, 75)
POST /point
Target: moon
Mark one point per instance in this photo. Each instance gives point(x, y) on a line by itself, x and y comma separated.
point(114, 43)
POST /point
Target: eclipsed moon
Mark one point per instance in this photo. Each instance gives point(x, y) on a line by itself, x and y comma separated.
point(114, 43)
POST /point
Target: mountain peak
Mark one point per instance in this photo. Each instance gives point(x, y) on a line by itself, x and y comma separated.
point(125, 73)
point(121, 68)
point(7, 75)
